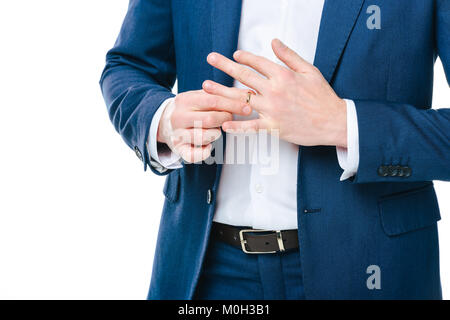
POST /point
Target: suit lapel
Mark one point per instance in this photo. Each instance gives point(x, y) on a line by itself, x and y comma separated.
point(225, 22)
point(338, 20)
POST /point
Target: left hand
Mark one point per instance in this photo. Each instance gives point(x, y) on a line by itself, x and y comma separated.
point(297, 100)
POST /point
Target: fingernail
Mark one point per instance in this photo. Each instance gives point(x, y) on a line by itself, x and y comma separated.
point(280, 43)
point(211, 57)
point(236, 54)
point(207, 85)
point(246, 110)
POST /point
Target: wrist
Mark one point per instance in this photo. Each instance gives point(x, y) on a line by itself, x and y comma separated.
point(164, 126)
point(159, 136)
point(339, 125)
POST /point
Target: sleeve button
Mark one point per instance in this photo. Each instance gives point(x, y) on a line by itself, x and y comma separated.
point(138, 153)
point(209, 196)
point(383, 171)
point(394, 171)
point(407, 172)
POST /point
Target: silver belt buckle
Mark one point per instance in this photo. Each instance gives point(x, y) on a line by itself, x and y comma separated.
point(244, 242)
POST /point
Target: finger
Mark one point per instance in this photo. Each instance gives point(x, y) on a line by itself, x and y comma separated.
point(262, 65)
point(215, 88)
point(233, 93)
point(194, 154)
point(237, 71)
point(290, 57)
point(207, 120)
point(248, 126)
point(211, 102)
point(195, 136)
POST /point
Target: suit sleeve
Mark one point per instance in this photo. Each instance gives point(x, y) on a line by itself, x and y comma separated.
point(140, 72)
point(401, 142)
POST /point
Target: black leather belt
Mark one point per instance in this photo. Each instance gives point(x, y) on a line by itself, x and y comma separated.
point(253, 241)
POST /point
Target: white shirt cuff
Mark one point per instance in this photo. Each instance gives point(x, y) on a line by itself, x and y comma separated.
point(163, 156)
point(348, 158)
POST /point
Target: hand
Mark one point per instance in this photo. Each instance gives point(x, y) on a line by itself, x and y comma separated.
point(296, 100)
point(192, 121)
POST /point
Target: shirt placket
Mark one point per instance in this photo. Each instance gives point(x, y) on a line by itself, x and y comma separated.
point(258, 182)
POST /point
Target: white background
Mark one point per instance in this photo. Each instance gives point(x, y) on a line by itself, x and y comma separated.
point(78, 216)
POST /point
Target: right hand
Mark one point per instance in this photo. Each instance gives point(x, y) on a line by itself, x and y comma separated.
point(192, 121)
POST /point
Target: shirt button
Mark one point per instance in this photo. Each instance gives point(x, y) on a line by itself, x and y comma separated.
point(259, 188)
point(209, 196)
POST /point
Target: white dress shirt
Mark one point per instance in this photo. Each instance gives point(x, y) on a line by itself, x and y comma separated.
point(255, 193)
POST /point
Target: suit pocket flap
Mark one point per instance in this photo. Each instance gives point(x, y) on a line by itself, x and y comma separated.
point(409, 211)
point(171, 186)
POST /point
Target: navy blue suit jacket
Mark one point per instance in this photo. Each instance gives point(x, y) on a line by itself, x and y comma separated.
point(373, 219)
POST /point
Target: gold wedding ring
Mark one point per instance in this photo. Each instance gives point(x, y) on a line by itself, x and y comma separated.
point(249, 96)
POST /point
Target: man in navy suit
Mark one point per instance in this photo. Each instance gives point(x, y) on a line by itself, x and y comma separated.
point(341, 205)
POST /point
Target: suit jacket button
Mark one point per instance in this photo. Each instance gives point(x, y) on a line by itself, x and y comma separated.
point(209, 196)
point(383, 171)
point(138, 153)
point(407, 172)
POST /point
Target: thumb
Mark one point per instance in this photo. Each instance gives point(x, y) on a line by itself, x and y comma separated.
point(289, 57)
